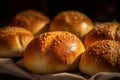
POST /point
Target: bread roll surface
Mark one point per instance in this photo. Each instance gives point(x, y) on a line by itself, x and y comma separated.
point(73, 21)
point(33, 20)
point(53, 52)
point(101, 56)
point(13, 41)
point(103, 31)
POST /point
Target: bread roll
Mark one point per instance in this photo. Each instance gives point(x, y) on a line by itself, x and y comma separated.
point(103, 31)
point(101, 56)
point(33, 20)
point(72, 21)
point(13, 41)
point(53, 52)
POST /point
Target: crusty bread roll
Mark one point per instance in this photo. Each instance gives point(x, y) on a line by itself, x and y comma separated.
point(101, 56)
point(53, 52)
point(13, 41)
point(103, 31)
point(33, 20)
point(72, 21)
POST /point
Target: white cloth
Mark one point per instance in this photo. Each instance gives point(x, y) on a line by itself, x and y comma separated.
point(8, 66)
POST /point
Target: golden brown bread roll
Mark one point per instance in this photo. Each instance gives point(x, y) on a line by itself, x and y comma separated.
point(72, 21)
point(101, 56)
point(53, 52)
point(33, 20)
point(13, 41)
point(103, 31)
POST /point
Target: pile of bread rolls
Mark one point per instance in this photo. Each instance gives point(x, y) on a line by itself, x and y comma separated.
point(15, 36)
point(69, 42)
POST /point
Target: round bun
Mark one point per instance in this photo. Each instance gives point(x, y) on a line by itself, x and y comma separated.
point(101, 56)
point(13, 41)
point(72, 21)
point(53, 52)
point(103, 31)
point(33, 20)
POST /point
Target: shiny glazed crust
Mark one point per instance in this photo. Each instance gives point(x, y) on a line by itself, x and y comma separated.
point(13, 41)
point(72, 21)
point(53, 52)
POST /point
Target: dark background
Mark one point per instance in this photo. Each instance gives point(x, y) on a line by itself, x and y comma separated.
point(97, 10)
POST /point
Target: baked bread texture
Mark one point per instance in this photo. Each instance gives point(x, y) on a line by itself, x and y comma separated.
point(73, 21)
point(53, 52)
point(33, 20)
point(101, 56)
point(103, 31)
point(13, 41)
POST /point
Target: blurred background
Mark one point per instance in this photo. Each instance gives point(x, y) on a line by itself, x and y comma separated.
point(96, 10)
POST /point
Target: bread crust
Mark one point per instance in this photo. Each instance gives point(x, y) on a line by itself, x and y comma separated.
point(13, 41)
point(32, 20)
point(72, 21)
point(53, 52)
point(101, 56)
point(103, 31)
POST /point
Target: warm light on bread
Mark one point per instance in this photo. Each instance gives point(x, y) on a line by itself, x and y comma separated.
point(72, 21)
point(13, 41)
point(103, 31)
point(53, 52)
point(101, 56)
point(33, 20)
